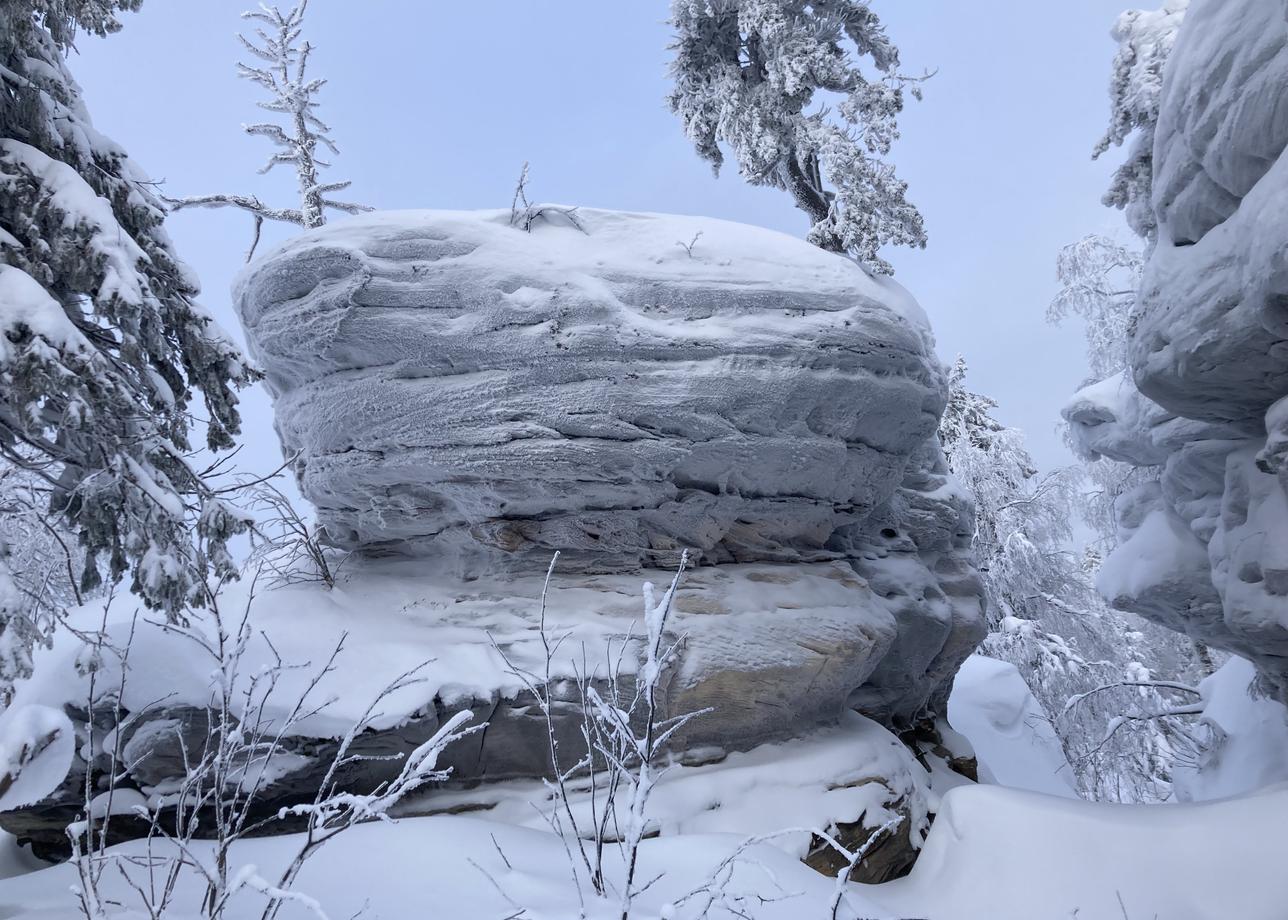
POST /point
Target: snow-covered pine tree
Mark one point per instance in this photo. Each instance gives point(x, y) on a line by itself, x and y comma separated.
point(758, 75)
point(280, 66)
point(1145, 39)
point(102, 344)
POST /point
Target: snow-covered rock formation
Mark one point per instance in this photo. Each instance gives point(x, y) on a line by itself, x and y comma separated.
point(464, 399)
point(1205, 549)
point(603, 386)
point(458, 388)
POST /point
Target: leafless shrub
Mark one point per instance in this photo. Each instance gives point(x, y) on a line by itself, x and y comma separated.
point(523, 213)
point(193, 827)
point(290, 549)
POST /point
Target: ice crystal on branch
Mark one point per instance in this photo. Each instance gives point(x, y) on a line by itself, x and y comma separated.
point(779, 82)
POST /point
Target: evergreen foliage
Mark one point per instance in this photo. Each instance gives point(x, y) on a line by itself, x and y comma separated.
point(806, 94)
point(103, 347)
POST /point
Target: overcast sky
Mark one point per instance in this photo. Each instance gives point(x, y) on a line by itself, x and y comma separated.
point(437, 103)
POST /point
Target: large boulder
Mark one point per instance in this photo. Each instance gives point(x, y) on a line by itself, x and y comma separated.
point(462, 391)
point(457, 388)
point(772, 651)
point(1205, 548)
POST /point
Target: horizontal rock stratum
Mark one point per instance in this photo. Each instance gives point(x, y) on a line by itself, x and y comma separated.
point(458, 388)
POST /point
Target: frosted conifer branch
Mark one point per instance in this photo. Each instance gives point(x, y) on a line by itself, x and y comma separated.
point(746, 74)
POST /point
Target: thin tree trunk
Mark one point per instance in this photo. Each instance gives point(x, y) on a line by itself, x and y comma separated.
point(810, 199)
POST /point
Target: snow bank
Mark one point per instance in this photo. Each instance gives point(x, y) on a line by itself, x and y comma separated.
point(36, 751)
point(1002, 854)
point(853, 772)
point(1013, 738)
point(993, 854)
point(1251, 748)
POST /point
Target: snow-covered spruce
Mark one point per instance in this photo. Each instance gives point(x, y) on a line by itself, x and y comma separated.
point(102, 345)
point(1145, 39)
point(747, 71)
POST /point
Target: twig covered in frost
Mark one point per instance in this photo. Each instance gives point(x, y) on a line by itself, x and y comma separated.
point(1194, 709)
point(688, 247)
point(639, 769)
point(624, 740)
point(291, 548)
point(280, 66)
point(226, 772)
point(334, 810)
point(88, 857)
point(854, 858)
point(1184, 744)
point(1077, 699)
point(542, 687)
point(524, 217)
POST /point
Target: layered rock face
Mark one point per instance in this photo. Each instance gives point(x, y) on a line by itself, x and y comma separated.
point(462, 390)
point(465, 399)
point(1205, 549)
point(465, 392)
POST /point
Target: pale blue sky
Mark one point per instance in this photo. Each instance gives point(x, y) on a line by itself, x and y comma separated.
point(437, 103)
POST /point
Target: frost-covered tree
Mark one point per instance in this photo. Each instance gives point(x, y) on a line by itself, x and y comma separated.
point(279, 65)
point(102, 344)
point(1098, 279)
point(39, 560)
point(806, 94)
point(1045, 616)
point(1145, 39)
point(1021, 518)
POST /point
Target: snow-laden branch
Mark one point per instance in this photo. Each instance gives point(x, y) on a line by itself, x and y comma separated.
point(1075, 701)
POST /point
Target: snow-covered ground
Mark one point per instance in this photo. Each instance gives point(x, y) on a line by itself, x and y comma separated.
point(993, 853)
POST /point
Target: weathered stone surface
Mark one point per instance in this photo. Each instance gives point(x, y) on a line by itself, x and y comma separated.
point(1205, 549)
point(1211, 336)
point(460, 389)
point(774, 649)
